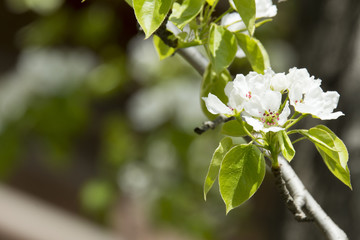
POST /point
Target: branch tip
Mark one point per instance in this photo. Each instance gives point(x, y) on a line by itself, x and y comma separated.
point(212, 124)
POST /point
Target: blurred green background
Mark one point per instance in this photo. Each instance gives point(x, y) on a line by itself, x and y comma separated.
point(91, 122)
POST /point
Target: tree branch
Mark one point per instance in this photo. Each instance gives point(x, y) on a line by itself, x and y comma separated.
point(191, 54)
point(212, 124)
point(294, 202)
point(303, 199)
point(299, 201)
point(195, 58)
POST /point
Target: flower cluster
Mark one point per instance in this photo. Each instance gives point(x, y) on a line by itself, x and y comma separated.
point(258, 98)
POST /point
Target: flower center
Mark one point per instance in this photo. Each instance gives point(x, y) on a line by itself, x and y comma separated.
point(270, 118)
point(301, 100)
point(248, 95)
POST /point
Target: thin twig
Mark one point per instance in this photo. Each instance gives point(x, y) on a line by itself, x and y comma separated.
point(191, 54)
point(194, 58)
point(212, 124)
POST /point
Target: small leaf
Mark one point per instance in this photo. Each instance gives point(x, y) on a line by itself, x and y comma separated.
point(331, 160)
point(210, 2)
point(162, 49)
point(247, 11)
point(254, 51)
point(235, 129)
point(128, 2)
point(222, 46)
point(336, 160)
point(187, 11)
point(338, 144)
point(287, 149)
point(241, 174)
point(151, 13)
point(224, 146)
point(215, 84)
point(320, 137)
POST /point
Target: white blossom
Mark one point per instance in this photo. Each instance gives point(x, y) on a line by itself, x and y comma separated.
point(278, 81)
point(258, 98)
point(244, 88)
point(263, 113)
point(252, 96)
point(306, 96)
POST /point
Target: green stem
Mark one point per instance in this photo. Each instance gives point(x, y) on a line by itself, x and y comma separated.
point(283, 104)
point(249, 133)
point(226, 26)
point(274, 158)
point(295, 131)
point(294, 115)
point(221, 16)
point(201, 18)
point(205, 13)
point(271, 138)
point(207, 50)
point(299, 139)
point(213, 8)
point(295, 121)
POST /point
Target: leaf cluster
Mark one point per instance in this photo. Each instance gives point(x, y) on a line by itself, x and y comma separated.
point(240, 168)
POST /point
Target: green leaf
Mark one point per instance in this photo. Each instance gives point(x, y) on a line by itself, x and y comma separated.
point(320, 137)
point(162, 49)
point(336, 160)
point(247, 11)
point(241, 174)
point(224, 146)
point(286, 146)
point(235, 129)
point(151, 13)
point(222, 46)
point(254, 51)
point(210, 2)
point(215, 84)
point(187, 11)
point(128, 2)
point(260, 23)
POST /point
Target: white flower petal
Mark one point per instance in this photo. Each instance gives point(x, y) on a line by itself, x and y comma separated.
point(233, 22)
point(331, 99)
point(271, 100)
point(256, 124)
point(240, 53)
point(228, 88)
point(279, 82)
point(272, 129)
point(215, 106)
point(284, 114)
point(331, 116)
point(254, 107)
point(265, 8)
